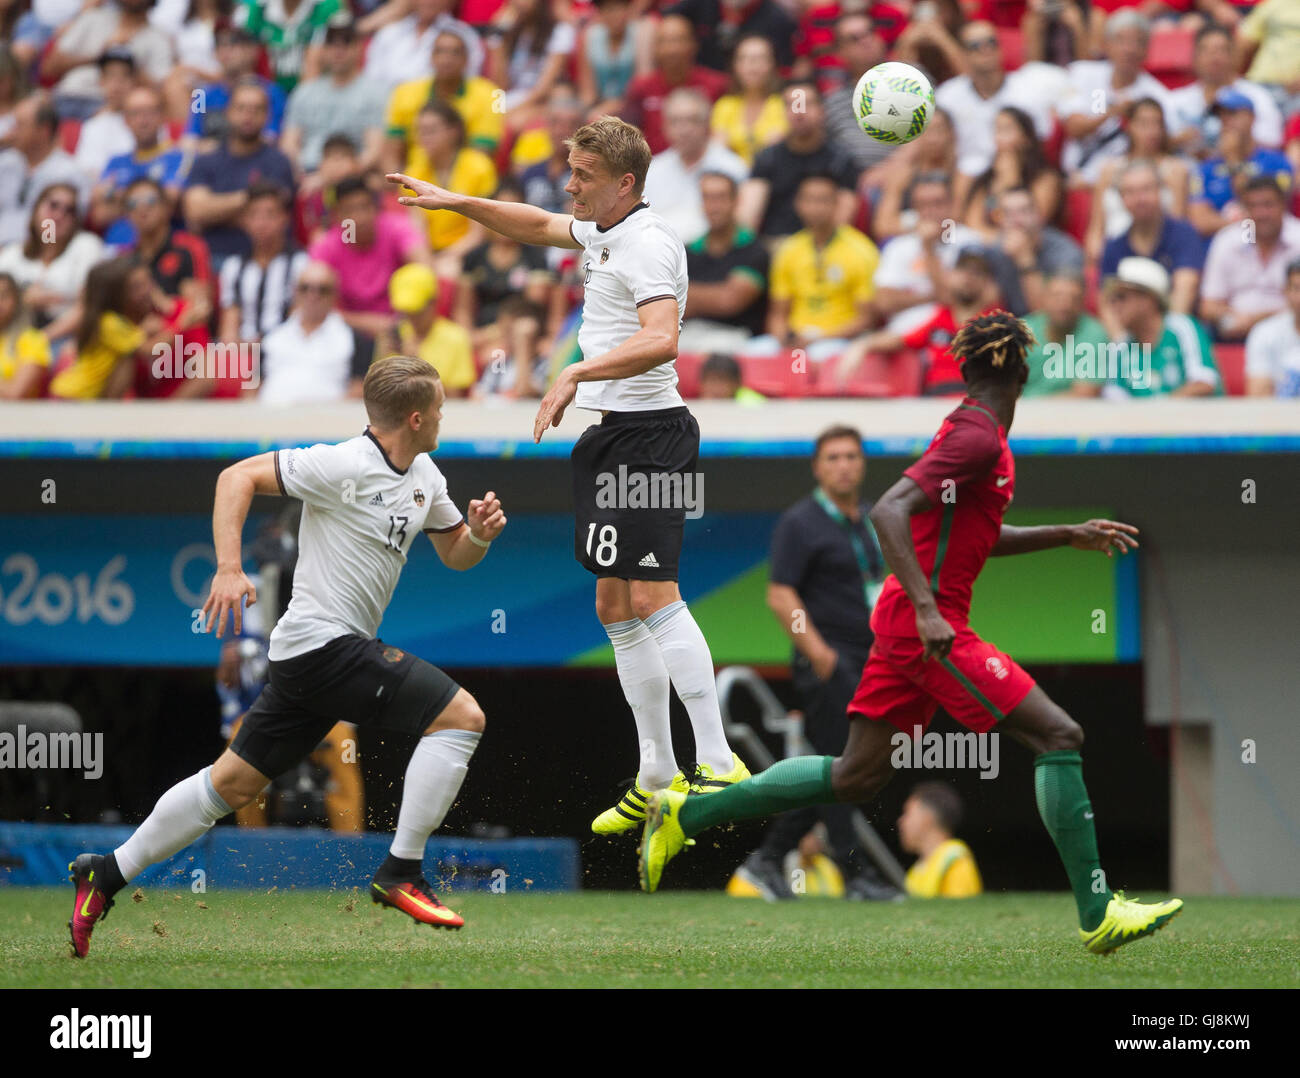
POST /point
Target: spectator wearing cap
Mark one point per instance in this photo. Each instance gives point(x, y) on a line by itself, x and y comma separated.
point(1037, 249)
point(33, 162)
point(73, 61)
point(767, 197)
point(292, 37)
point(1273, 347)
point(314, 355)
point(974, 99)
point(206, 119)
point(719, 24)
point(217, 190)
point(822, 279)
point(1268, 47)
point(752, 116)
point(476, 99)
point(1162, 351)
point(402, 51)
point(727, 270)
point(859, 48)
point(672, 183)
point(720, 380)
point(341, 101)
point(1245, 277)
point(151, 156)
point(106, 134)
point(675, 50)
point(448, 162)
point(969, 289)
point(365, 247)
point(1171, 242)
point(1191, 112)
point(1094, 136)
point(1216, 186)
point(257, 288)
point(420, 331)
point(1063, 329)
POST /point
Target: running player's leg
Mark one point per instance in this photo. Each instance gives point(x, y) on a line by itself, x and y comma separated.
point(686, 656)
point(643, 678)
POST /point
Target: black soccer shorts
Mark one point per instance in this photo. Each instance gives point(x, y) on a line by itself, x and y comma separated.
point(635, 479)
point(351, 679)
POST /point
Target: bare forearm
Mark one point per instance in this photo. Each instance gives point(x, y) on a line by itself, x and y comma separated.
point(894, 530)
point(518, 220)
point(464, 553)
point(790, 612)
point(1027, 540)
point(229, 511)
point(643, 351)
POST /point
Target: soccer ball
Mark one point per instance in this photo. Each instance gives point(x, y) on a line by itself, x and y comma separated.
point(893, 102)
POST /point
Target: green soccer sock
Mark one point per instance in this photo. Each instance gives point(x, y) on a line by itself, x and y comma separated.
point(787, 784)
point(1067, 814)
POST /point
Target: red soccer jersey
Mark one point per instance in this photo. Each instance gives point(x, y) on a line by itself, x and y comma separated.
point(969, 475)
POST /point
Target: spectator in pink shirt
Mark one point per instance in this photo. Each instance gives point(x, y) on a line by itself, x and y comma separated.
point(365, 246)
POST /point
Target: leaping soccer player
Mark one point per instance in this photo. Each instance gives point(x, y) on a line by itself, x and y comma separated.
point(937, 526)
point(634, 279)
point(364, 502)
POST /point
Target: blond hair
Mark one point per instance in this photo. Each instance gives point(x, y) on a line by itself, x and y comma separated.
point(396, 386)
point(620, 145)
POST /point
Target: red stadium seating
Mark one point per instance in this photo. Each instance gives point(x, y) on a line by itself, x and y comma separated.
point(688, 373)
point(777, 376)
point(1231, 361)
point(1170, 56)
point(878, 375)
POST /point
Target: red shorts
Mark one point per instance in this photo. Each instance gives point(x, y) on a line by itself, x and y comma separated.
point(976, 684)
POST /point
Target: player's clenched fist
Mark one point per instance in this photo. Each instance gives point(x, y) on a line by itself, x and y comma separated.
point(229, 588)
point(427, 196)
point(486, 518)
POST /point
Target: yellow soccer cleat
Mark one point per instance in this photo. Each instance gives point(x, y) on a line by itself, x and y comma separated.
point(1127, 920)
point(706, 782)
point(662, 839)
point(629, 813)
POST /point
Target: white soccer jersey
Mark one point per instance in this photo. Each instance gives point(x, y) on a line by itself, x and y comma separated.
point(624, 266)
point(360, 516)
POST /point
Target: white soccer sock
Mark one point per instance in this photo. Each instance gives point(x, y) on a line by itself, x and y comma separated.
point(644, 678)
point(182, 814)
point(433, 777)
point(690, 665)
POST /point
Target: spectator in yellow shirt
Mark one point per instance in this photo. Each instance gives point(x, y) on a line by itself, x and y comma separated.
point(1269, 40)
point(456, 167)
point(24, 351)
point(752, 116)
point(479, 101)
point(421, 331)
point(945, 866)
point(822, 280)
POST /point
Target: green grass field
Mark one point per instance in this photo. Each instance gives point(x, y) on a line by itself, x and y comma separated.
point(339, 939)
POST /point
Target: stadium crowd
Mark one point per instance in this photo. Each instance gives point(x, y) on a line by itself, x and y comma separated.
point(180, 173)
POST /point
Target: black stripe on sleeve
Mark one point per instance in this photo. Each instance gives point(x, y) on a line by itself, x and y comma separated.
point(571, 235)
point(643, 302)
point(279, 479)
point(444, 531)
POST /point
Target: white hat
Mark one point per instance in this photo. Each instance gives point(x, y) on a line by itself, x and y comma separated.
point(1144, 273)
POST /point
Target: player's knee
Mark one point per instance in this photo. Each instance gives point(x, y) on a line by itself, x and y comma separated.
point(463, 713)
point(610, 610)
point(856, 781)
point(644, 605)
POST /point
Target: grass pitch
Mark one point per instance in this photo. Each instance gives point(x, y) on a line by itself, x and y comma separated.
point(320, 939)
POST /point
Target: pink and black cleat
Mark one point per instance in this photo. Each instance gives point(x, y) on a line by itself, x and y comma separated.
point(92, 904)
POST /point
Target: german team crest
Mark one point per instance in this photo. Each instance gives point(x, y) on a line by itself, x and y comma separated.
point(419, 496)
point(604, 255)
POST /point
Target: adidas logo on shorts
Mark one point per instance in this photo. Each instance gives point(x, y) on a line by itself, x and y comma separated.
point(649, 562)
point(378, 499)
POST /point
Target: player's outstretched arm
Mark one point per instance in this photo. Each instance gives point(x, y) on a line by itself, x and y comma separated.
point(464, 548)
point(235, 489)
point(518, 220)
point(1103, 535)
point(891, 517)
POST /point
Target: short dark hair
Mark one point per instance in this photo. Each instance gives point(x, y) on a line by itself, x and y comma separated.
point(806, 83)
point(721, 365)
point(932, 177)
point(716, 174)
point(830, 434)
point(261, 189)
point(1292, 270)
point(339, 141)
point(1210, 29)
point(943, 801)
point(350, 185)
point(1263, 183)
point(826, 177)
point(146, 181)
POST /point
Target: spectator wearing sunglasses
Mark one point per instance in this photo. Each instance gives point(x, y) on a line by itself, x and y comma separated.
point(177, 260)
point(314, 356)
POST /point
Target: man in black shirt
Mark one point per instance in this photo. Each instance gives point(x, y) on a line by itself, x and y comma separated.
point(826, 571)
point(767, 197)
point(726, 301)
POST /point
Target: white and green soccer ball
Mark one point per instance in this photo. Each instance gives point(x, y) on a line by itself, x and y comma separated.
point(893, 103)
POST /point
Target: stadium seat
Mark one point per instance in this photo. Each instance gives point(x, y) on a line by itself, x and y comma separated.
point(688, 373)
point(1013, 46)
point(776, 376)
point(1170, 56)
point(1231, 361)
point(1077, 211)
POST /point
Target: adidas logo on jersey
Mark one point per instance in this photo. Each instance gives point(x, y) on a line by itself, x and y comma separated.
point(649, 562)
point(378, 499)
